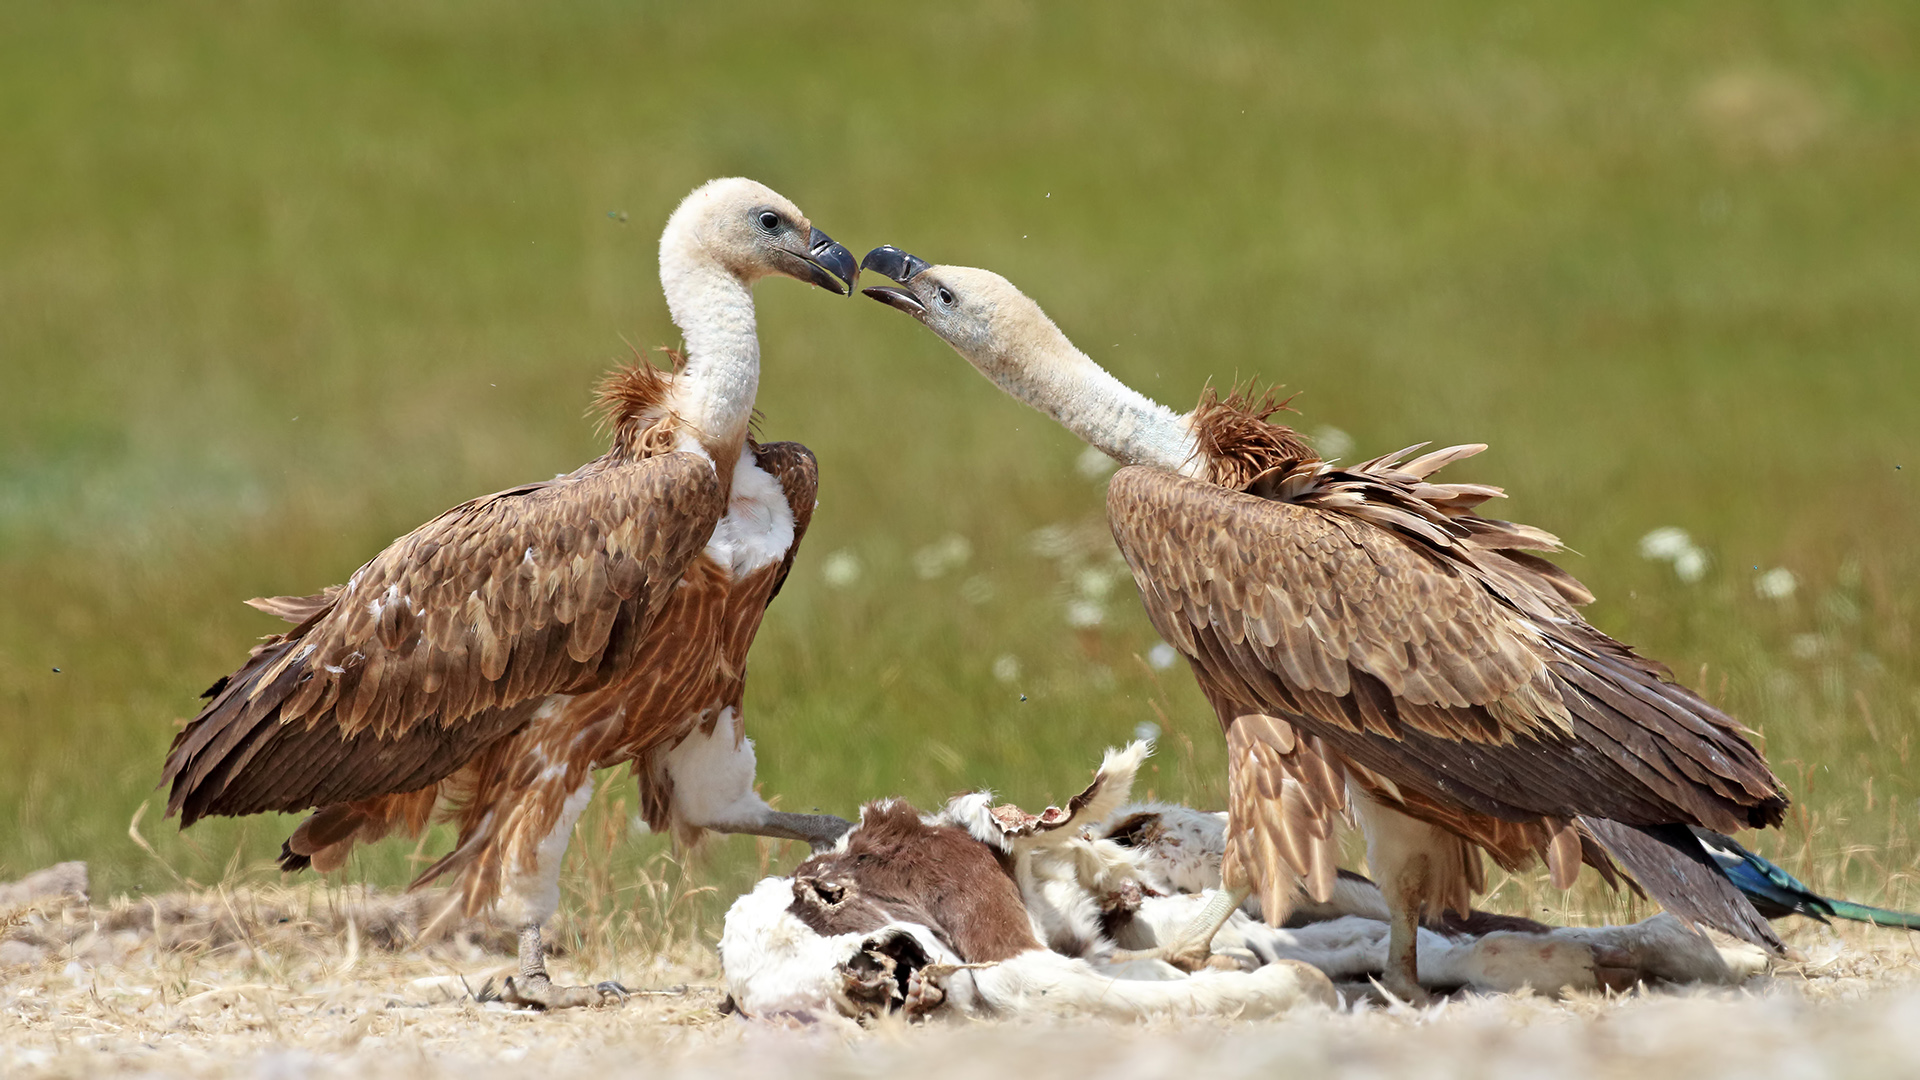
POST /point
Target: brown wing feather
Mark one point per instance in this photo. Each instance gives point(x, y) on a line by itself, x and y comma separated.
point(448, 640)
point(1395, 645)
point(1283, 798)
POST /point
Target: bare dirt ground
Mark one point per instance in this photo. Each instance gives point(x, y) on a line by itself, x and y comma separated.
point(287, 983)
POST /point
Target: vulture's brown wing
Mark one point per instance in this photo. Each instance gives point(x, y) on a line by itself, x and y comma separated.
point(1406, 657)
point(447, 640)
point(793, 465)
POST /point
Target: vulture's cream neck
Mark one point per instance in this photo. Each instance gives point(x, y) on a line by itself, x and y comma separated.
point(713, 308)
point(1066, 384)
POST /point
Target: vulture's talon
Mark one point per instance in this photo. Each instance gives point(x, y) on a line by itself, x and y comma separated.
point(1191, 958)
point(538, 992)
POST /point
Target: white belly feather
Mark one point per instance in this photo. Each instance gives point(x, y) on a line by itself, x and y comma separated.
point(757, 529)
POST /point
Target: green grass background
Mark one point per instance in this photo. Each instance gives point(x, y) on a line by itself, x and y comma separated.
point(280, 281)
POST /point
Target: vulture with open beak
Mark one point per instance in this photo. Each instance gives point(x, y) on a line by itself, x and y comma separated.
point(1371, 643)
point(492, 659)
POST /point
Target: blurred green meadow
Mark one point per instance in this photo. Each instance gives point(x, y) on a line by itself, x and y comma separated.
point(280, 281)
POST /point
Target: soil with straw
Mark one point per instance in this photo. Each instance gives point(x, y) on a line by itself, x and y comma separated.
point(349, 982)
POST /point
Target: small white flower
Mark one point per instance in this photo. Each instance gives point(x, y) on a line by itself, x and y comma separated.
point(1161, 656)
point(1069, 541)
point(1006, 667)
point(1776, 584)
point(1051, 541)
point(1093, 464)
point(1690, 564)
point(1671, 543)
point(947, 553)
point(1093, 583)
point(1146, 730)
point(1667, 543)
point(1084, 614)
point(842, 568)
point(1332, 442)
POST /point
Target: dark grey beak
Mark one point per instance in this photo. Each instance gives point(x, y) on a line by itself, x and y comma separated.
point(829, 265)
point(891, 262)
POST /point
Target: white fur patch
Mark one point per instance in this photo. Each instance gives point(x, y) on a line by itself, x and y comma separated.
point(1045, 983)
point(1113, 782)
point(776, 966)
point(1180, 850)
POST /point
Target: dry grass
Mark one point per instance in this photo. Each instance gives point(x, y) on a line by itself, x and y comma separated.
point(285, 982)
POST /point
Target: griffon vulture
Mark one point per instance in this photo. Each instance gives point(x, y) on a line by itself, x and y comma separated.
point(1369, 641)
point(493, 658)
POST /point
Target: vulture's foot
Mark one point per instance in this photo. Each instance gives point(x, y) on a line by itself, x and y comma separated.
point(539, 992)
point(1400, 988)
point(1192, 949)
point(1199, 956)
point(1191, 957)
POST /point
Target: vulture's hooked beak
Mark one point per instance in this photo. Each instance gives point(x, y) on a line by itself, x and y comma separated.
point(891, 262)
point(828, 265)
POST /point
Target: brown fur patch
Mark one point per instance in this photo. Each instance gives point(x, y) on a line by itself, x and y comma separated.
point(897, 868)
point(1237, 440)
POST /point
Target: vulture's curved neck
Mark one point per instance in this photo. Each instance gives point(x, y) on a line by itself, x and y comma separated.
point(713, 394)
point(1126, 425)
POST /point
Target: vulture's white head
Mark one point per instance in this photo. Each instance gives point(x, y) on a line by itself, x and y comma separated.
point(998, 328)
point(750, 231)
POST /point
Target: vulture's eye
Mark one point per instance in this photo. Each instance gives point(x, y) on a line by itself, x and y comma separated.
point(946, 297)
point(769, 220)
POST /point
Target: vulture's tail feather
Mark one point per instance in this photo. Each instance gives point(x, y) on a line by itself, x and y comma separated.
point(1847, 909)
point(1672, 865)
point(1776, 893)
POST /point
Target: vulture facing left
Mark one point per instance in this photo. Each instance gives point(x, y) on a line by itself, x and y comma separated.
point(1368, 640)
point(489, 661)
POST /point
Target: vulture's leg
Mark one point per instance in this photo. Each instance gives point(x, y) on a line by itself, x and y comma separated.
point(1402, 977)
point(533, 987)
point(1193, 949)
point(819, 830)
point(530, 895)
point(1415, 864)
